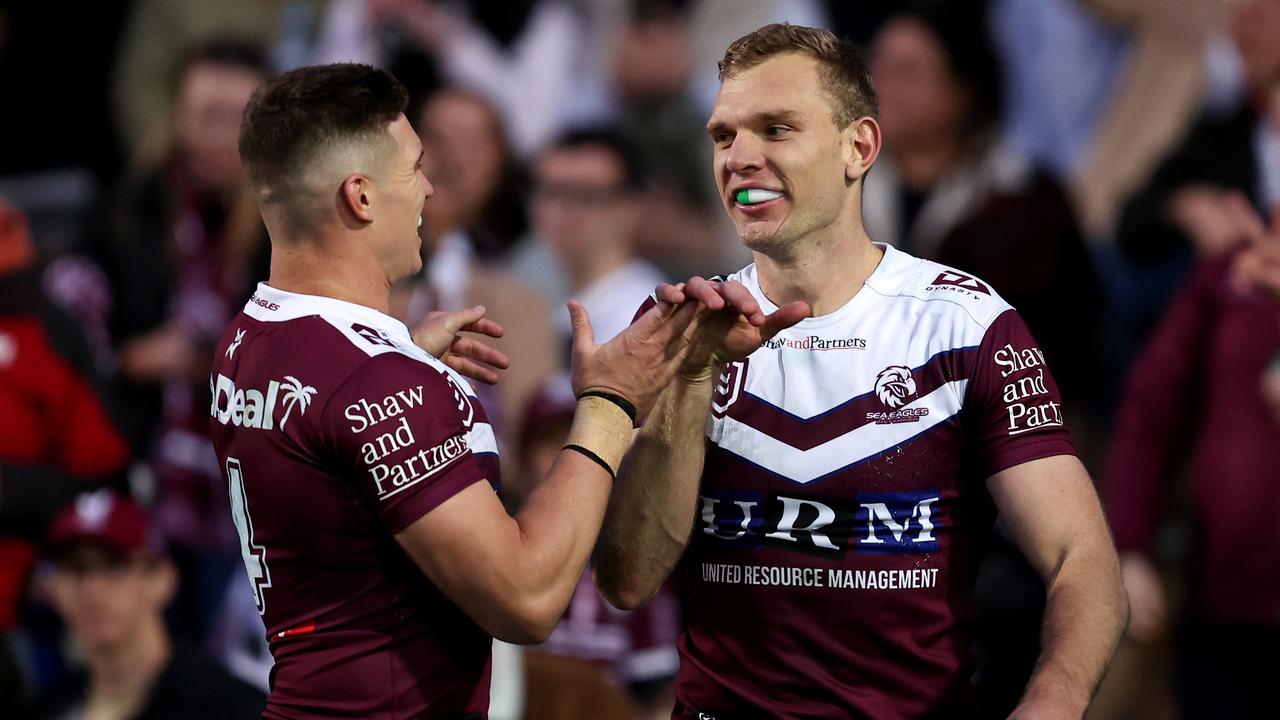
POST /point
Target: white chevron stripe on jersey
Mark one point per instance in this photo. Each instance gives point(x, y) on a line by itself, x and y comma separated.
point(803, 466)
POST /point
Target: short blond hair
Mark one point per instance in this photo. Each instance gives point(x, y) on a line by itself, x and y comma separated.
point(841, 69)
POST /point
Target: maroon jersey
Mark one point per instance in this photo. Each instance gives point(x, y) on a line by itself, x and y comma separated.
point(832, 561)
point(335, 432)
point(1196, 388)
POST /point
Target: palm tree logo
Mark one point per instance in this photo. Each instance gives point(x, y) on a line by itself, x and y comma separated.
point(295, 393)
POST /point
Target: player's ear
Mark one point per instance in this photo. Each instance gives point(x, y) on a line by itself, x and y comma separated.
point(860, 145)
point(355, 197)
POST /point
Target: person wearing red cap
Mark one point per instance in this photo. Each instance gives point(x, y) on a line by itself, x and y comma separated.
point(110, 584)
point(56, 436)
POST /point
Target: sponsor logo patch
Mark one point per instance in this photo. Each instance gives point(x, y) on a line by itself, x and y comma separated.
point(815, 343)
point(373, 336)
point(257, 409)
point(1028, 404)
point(904, 522)
point(951, 281)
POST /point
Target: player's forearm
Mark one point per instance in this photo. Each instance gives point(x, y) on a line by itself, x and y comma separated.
point(558, 526)
point(1085, 614)
point(651, 510)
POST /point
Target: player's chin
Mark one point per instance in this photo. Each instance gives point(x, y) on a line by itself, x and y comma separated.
point(411, 264)
point(758, 234)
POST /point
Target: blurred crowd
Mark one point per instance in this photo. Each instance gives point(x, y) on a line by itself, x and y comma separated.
point(1103, 164)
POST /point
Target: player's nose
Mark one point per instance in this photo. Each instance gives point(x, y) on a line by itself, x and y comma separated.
point(744, 154)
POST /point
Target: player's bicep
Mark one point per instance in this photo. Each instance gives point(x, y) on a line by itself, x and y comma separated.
point(1049, 507)
point(465, 546)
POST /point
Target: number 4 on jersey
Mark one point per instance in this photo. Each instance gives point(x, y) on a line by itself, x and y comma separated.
point(255, 556)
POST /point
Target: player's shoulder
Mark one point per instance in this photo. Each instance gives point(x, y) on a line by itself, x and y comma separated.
point(939, 289)
point(337, 342)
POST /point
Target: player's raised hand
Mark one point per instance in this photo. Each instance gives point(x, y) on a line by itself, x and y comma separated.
point(640, 361)
point(733, 326)
point(439, 335)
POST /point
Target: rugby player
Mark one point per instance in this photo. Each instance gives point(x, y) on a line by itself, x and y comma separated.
point(357, 456)
point(825, 496)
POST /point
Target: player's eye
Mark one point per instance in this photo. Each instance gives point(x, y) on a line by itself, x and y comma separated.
point(776, 131)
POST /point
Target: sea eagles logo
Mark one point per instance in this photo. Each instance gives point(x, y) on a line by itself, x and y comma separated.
point(895, 385)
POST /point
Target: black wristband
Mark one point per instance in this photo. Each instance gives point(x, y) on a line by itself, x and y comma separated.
point(599, 460)
point(618, 400)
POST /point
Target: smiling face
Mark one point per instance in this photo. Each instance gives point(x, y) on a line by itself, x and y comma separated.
point(773, 130)
point(401, 190)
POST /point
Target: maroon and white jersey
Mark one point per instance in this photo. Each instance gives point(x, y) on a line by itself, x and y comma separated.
point(843, 501)
point(335, 432)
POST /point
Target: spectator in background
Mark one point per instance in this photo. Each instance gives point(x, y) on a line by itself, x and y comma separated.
point(1208, 373)
point(466, 155)
point(1098, 90)
point(946, 189)
point(486, 182)
point(713, 24)
point(55, 433)
point(1203, 196)
point(525, 56)
point(655, 110)
point(158, 36)
point(1257, 267)
point(599, 661)
point(110, 585)
point(186, 245)
point(587, 207)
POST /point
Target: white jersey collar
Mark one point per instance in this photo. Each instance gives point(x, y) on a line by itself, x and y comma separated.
point(887, 279)
point(269, 304)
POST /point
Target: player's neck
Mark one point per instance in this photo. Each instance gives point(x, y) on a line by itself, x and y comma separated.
point(121, 676)
point(340, 270)
point(824, 270)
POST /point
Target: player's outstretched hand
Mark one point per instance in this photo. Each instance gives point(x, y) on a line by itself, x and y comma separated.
point(439, 335)
point(733, 326)
point(640, 361)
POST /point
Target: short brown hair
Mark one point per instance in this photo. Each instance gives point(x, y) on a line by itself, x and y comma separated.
point(290, 118)
point(841, 69)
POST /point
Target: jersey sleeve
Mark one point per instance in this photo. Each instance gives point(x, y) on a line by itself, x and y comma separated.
point(408, 435)
point(1013, 401)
